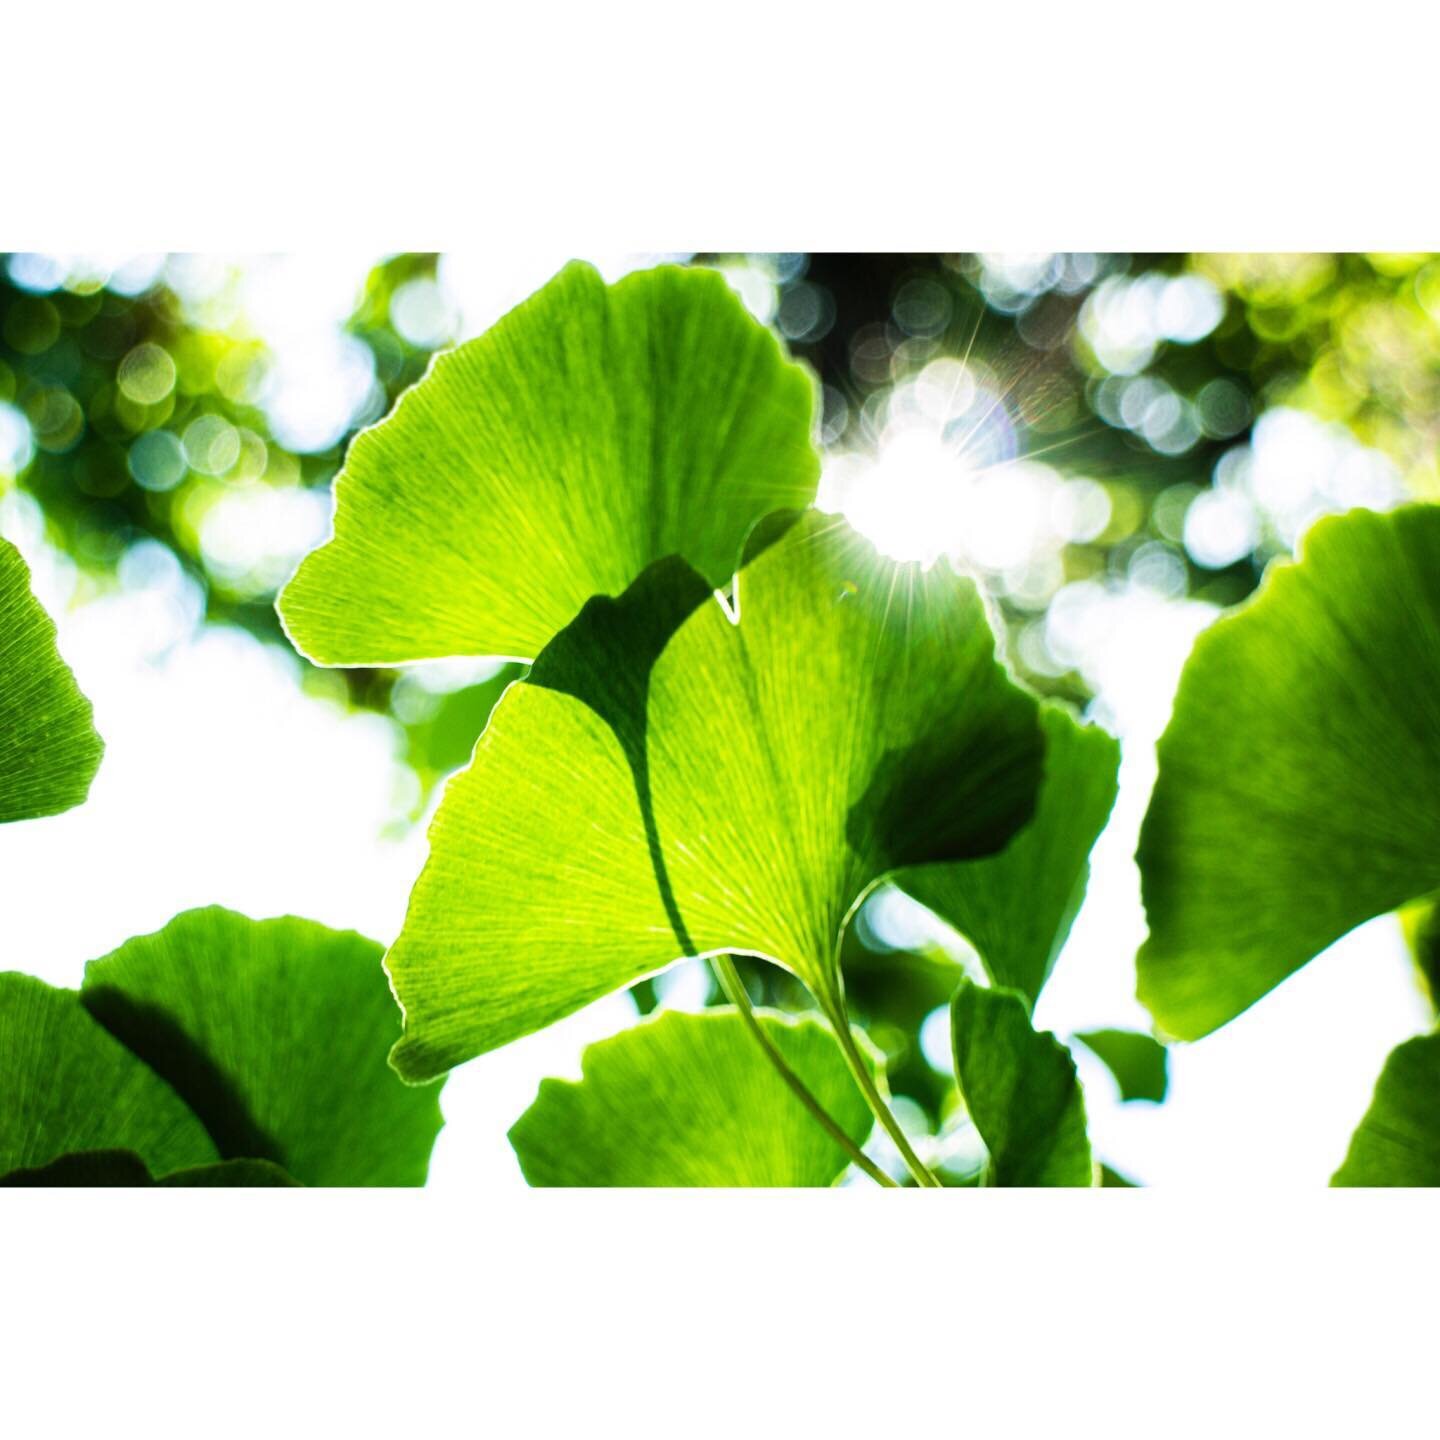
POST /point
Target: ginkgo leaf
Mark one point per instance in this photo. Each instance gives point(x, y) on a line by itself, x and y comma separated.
point(275, 1033)
point(49, 751)
point(1398, 1141)
point(66, 1085)
point(124, 1168)
point(1017, 907)
point(693, 1100)
point(1299, 775)
point(668, 782)
point(1139, 1063)
point(1019, 1086)
point(593, 430)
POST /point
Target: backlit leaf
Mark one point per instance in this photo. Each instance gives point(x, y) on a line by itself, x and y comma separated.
point(593, 430)
point(66, 1085)
point(693, 1100)
point(275, 1032)
point(1299, 775)
point(1017, 907)
point(738, 788)
point(49, 751)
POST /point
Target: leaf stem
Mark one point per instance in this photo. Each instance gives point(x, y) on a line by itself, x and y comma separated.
point(840, 1022)
point(738, 996)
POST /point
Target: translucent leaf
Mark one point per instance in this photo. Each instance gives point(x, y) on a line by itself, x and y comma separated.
point(1299, 783)
point(1020, 1089)
point(49, 751)
point(592, 431)
point(1017, 907)
point(275, 1032)
point(693, 1100)
point(670, 783)
point(66, 1085)
point(1398, 1141)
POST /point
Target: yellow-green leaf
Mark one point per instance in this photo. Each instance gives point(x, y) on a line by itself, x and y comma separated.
point(49, 751)
point(668, 782)
point(593, 430)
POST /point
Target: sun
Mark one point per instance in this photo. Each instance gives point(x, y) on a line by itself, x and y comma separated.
point(928, 489)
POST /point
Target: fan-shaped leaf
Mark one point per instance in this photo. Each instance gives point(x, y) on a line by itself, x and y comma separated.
point(693, 1100)
point(592, 431)
point(1299, 785)
point(275, 1032)
point(49, 751)
point(735, 789)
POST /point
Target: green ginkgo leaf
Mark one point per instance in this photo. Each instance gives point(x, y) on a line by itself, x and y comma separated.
point(693, 1100)
point(112, 1168)
point(1020, 1089)
point(668, 782)
point(66, 1085)
point(1139, 1063)
point(1017, 907)
point(49, 751)
point(593, 430)
point(1299, 775)
point(275, 1033)
point(1398, 1141)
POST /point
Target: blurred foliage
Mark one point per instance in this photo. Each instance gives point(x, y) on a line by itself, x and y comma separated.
point(136, 396)
point(1112, 369)
point(1352, 338)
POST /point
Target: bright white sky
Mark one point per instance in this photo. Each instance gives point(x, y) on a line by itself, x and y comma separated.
point(224, 783)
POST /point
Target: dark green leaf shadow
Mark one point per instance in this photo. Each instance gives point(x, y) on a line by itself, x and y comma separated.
point(604, 658)
point(154, 1036)
point(124, 1169)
